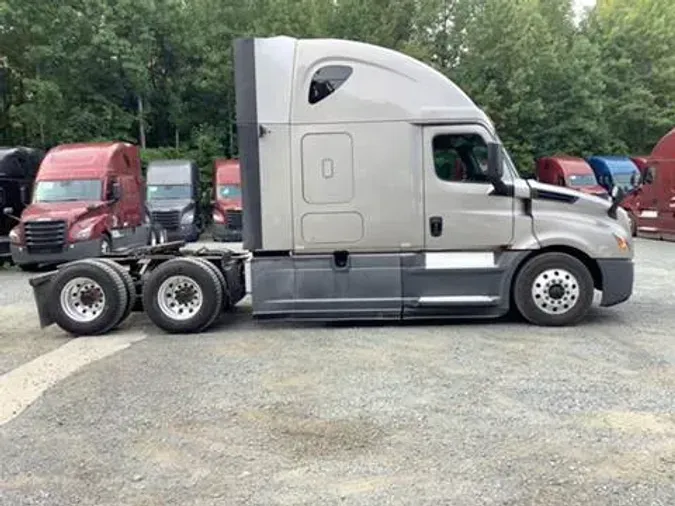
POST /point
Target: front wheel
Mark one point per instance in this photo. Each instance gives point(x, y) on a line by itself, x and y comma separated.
point(553, 289)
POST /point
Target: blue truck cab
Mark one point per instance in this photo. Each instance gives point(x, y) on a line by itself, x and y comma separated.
point(613, 171)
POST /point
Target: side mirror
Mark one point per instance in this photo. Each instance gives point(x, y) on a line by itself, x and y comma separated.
point(649, 175)
point(495, 168)
point(617, 197)
point(9, 212)
point(115, 192)
point(617, 193)
point(635, 180)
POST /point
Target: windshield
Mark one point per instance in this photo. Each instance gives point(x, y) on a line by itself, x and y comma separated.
point(583, 180)
point(169, 192)
point(623, 180)
point(68, 191)
point(510, 167)
point(229, 191)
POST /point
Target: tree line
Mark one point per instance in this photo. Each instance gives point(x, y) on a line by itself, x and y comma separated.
point(159, 72)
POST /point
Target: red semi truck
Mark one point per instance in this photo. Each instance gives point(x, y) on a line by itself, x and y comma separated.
point(88, 200)
point(569, 171)
point(227, 203)
point(653, 203)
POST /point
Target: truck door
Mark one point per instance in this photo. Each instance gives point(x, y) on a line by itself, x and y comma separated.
point(650, 201)
point(461, 213)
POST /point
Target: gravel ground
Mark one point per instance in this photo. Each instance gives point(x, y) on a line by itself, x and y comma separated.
point(268, 414)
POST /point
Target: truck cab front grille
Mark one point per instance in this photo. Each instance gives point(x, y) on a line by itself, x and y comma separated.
point(170, 220)
point(233, 219)
point(45, 236)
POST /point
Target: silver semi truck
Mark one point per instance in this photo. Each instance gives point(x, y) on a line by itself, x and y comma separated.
point(373, 188)
point(173, 198)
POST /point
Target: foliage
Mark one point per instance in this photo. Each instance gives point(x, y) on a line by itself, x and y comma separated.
point(159, 73)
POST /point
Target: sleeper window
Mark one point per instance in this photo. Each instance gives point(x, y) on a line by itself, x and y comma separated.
point(460, 158)
point(326, 80)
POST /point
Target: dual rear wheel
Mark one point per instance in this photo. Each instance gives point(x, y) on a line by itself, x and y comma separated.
point(94, 296)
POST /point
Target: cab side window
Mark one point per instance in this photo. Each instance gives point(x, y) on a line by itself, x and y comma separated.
point(326, 81)
point(460, 158)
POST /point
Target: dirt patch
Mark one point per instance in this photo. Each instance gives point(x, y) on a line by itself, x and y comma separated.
point(305, 436)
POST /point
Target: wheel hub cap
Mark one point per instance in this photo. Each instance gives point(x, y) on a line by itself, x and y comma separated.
point(180, 297)
point(82, 299)
point(555, 291)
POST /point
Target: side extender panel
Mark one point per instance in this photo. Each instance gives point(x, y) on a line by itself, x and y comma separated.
point(383, 286)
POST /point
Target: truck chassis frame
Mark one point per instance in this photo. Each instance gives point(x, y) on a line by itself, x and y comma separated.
point(209, 282)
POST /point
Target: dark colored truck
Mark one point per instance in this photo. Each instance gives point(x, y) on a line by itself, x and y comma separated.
point(173, 198)
point(353, 211)
point(87, 201)
point(226, 203)
point(18, 167)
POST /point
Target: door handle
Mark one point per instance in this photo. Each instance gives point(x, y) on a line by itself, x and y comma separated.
point(436, 226)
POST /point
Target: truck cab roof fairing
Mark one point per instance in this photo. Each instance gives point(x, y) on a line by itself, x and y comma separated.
point(382, 85)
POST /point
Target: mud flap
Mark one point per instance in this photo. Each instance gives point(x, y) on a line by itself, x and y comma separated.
point(41, 287)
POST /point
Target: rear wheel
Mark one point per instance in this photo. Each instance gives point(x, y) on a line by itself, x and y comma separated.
point(226, 292)
point(182, 296)
point(128, 283)
point(89, 298)
point(553, 289)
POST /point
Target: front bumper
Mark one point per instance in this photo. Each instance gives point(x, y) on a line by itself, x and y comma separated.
point(70, 252)
point(222, 233)
point(184, 233)
point(617, 280)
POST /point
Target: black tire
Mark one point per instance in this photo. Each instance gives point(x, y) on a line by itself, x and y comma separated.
point(556, 262)
point(226, 292)
point(113, 289)
point(199, 274)
point(128, 283)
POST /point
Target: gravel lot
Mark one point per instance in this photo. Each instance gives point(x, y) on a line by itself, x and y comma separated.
point(267, 414)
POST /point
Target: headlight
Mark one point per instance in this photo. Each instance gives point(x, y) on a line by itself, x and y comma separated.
point(83, 234)
point(218, 217)
point(187, 218)
point(621, 242)
point(15, 235)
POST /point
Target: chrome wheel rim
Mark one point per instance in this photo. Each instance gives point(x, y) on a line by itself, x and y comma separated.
point(555, 291)
point(180, 297)
point(82, 299)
